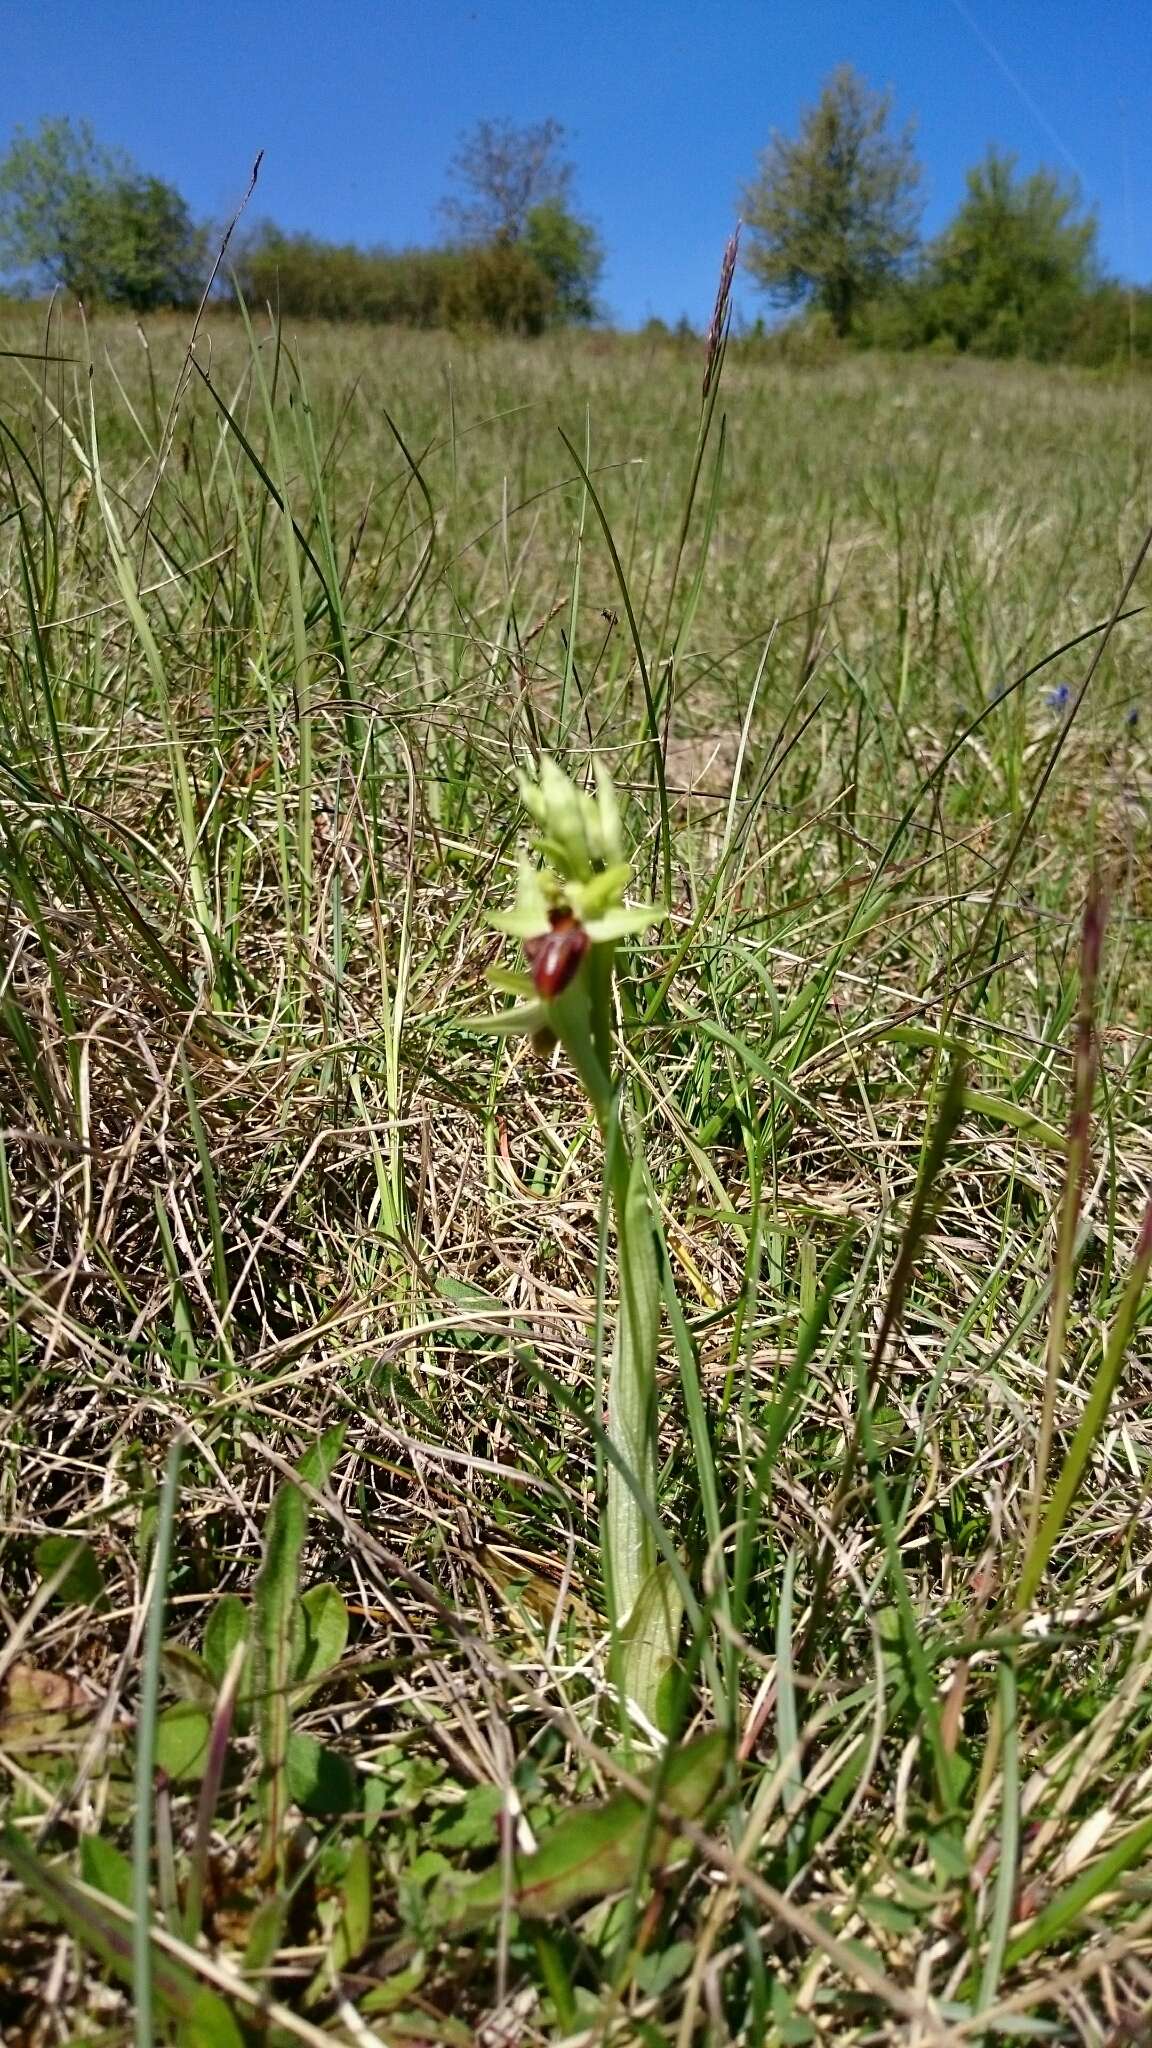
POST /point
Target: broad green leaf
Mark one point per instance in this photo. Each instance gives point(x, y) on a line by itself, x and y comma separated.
point(350, 1936)
point(655, 1973)
point(628, 1536)
point(226, 1626)
point(476, 1823)
point(183, 1733)
point(593, 1850)
point(265, 1932)
point(949, 1856)
point(279, 1641)
point(279, 1632)
point(464, 1293)
point(317, 1465)
point(651, 1641)
point(187, 1674)
point(790, 2027)
point(83, 1582)
point(374, 1800)
point(106, 1869)
point(882, 1911)
point(320, 1780)
point(394, 1990)
point(325, 1632)
point(210, 2023)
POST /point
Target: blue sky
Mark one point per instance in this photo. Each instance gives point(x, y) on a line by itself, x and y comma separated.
point(358, 105)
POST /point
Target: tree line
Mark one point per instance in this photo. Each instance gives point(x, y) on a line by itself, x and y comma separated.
point(832, 237)
point(832, 221)
point(80, 218)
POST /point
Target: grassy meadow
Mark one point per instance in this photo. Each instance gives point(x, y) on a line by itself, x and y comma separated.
point(278, 630)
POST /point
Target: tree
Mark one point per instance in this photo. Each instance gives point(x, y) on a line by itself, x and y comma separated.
point(833, 216)
point(1011, 272)
point(81, 217)
point(514, 194)
point(505, 171)
point(568, 252)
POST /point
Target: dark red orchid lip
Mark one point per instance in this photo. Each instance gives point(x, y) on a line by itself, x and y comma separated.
point(555, 956)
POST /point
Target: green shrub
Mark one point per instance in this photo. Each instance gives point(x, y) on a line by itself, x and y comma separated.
point(1112, 327)
point(499, 286)
point(311, 279)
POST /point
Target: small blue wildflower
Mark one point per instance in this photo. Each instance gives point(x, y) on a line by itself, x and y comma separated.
point(1057, 699)
point(997, 691)
point(1133, 717)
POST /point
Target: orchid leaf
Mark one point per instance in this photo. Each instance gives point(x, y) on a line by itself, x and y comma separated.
point(594, 1850)
point(652, 1638)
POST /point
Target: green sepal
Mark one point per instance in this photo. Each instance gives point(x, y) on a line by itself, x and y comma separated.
point(528, 1018)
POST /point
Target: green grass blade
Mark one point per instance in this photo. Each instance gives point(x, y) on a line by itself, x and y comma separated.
point(1104, 1384)
point(1008, 1856)
point(146, 1712)
point(279, 1636)
point(1061, 1914)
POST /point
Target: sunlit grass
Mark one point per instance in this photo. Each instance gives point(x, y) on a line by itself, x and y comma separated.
point(277, 633)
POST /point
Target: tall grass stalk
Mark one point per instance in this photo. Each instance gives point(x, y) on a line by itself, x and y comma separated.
point(1079, 1134)
point(1101, 1389)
